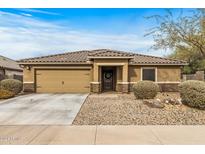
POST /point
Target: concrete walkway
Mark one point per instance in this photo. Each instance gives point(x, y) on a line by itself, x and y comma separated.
point(102, 134)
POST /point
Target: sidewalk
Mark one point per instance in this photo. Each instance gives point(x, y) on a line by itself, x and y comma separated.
point(102, 135)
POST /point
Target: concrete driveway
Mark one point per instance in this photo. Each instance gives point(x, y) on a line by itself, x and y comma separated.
point(41, 109)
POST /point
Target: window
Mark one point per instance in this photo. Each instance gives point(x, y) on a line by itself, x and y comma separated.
point(148, 74)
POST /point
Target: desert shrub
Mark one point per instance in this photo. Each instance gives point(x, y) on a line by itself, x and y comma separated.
point(12, 85)
point(145, 90)
point(193, 93)
point(4, 94)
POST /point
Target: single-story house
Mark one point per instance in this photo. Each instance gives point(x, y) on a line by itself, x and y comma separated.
point(98, 71)
point(10, 69)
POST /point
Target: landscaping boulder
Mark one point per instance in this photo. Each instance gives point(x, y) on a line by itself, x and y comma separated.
point(179, 101)
point(172, 101)
point(166, 100)
point(154, 103)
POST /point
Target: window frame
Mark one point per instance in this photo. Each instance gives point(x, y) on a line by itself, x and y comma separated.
point(155, 68)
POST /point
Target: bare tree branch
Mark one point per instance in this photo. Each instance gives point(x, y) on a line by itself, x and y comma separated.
point(182, 32)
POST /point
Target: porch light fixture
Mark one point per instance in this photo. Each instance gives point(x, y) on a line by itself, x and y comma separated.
point(28, 67)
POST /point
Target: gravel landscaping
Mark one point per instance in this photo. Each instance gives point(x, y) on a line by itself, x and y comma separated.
point(124, 109)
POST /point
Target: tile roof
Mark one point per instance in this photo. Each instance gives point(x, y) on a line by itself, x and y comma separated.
point(146, 59)
point(9, 63)
point(69, 57)
point(109, 53)
point(84, 55)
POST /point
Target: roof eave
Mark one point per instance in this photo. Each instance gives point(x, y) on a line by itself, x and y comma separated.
point(111, 57)
point(166, 64)
point(54, 63)
point(14, 69)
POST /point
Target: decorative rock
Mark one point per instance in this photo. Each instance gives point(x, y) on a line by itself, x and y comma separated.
point(172, 101)
point(147, 102)
point(128, 111)
point(179, 101)
point(158, 104)
point(154, 104)
point(166, 101)
point(158, 100)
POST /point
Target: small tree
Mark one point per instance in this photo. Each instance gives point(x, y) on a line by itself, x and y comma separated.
point(185, 35)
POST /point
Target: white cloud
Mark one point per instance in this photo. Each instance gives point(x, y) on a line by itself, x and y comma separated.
point(26, 14)
point(23, 36)
point(39, 11)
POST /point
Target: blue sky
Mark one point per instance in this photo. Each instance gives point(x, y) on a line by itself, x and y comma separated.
point(36, 32)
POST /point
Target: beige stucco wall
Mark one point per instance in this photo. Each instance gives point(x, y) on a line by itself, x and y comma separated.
point(134, 73)
point(168, 74)
point(1, 74)
point(122, 71)
point(91, 72)
point(12, 72)
point(119, 74)
point(28, 75)
point(164, 73)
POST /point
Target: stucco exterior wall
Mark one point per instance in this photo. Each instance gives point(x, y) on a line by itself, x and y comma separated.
point(164, 73)
point(12, 72)
point(28, 75)
point(108, 62)
point(134, 73)
point(28, 80)
point(121, 71)
point(168, 77)
point(91, 72)
point(168, 74)
point(119, 74)
point(1, 74)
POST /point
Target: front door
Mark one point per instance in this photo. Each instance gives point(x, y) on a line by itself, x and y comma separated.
point(108, 80)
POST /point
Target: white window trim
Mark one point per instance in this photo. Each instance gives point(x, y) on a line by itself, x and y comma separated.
point(155, 68)
point(28, 82)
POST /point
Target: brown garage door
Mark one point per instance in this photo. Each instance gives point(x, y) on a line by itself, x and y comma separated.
point(62, 81)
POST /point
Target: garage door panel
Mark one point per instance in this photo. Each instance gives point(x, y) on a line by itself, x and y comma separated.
point(62, 81)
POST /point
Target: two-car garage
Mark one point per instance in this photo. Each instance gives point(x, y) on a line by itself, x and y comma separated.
point(63, 81)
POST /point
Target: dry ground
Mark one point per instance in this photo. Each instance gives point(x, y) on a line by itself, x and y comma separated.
point(124, 109)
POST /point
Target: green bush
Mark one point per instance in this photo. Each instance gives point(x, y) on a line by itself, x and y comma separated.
point(4, 94)
point(193, 93)
point(145, 90)
point(12, 85)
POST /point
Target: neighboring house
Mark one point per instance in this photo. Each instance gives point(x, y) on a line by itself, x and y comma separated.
point(98, 71)
point(10, 69)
